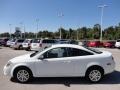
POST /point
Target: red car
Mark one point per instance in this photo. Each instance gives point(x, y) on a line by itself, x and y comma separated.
point(110, 44)
point(94, 44)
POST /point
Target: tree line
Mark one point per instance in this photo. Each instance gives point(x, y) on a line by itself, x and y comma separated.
point(109, 33)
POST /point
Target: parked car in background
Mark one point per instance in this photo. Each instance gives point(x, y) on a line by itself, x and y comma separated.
point(109, 44)
point(18, 44)
point(66, 41)
point(9, 42)
point(35, 45)
point(12, 42)
point(94, 44)
point(85, 43)
point(27, 44)
point(45, 43)
point(63, 41)
point(0, 42)
point(42, 43)
point(117, 44)
point(3, 41)
point(61, 60)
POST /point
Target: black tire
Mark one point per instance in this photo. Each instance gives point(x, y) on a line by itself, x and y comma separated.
point(98, 76)
point(20, 47)
point(21, 79)
point(28, 49)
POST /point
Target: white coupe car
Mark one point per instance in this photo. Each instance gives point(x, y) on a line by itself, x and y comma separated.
point(61, 60)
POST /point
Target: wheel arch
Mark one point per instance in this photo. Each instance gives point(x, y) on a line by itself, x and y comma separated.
point(20, 66)
point(96, 66)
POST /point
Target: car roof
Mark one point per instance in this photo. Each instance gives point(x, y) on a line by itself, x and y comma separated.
point(68, 45)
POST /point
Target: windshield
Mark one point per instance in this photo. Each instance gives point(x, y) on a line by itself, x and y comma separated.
point(26, 41)
point(36, 41)
point(93, 50)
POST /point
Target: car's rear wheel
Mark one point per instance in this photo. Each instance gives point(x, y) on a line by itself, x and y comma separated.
point(94, 75)
point(22, 75)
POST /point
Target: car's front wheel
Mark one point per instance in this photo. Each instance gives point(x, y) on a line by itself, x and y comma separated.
point(22, 75)
point(94, 75)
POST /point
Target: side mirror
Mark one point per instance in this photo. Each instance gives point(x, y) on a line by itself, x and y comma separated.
point(41, 57)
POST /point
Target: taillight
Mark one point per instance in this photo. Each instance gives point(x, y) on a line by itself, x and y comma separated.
point(40, 45)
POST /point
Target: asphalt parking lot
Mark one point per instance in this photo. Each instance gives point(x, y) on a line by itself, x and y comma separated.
point(110, 82)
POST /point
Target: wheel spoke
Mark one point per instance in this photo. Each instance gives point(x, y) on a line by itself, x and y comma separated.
point(95, 75)
point(22, 75)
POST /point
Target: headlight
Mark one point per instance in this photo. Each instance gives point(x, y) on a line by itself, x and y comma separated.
point(8, 64)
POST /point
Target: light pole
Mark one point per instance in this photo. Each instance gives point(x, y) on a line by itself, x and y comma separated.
point(102, 10)
point(37, 21)
point(77, 35)
point(24, 31)
point(60, 15)
point(21, 25)
point(10, 29)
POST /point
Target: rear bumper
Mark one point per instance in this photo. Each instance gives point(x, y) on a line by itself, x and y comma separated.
point(117, 46)
point(110, 68)
point(25, 47)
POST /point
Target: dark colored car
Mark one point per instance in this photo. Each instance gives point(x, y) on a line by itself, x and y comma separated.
point(110, 44)
point(94, 44)
point(3, 42)
point(0, 42)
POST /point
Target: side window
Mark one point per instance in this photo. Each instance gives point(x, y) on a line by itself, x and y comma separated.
point(78, 52)
point(56, 53)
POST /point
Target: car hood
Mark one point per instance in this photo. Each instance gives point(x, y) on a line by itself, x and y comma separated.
point(22, 58)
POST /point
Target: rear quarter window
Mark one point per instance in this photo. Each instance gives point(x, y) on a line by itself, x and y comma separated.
point(93, 50)
point(78, 52)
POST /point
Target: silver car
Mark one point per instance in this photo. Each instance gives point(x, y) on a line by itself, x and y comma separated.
point(18, 44)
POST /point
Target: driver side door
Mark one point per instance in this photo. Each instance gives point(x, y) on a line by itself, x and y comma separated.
point(55, 63)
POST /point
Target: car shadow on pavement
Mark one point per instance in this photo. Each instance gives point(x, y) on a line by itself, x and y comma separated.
point(67, 81)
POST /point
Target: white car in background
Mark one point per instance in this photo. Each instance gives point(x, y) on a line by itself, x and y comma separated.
point(62, 60)
point(38, 44)
point(45, 43)
point(35, 45)
point(27, 44)
point(9, 42)
point(117, 44)
point(12, 42)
